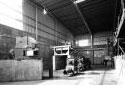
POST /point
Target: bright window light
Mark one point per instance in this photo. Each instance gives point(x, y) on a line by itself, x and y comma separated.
point(79, 1)
point(30, 53)
point(83, 43)
point(11, 13)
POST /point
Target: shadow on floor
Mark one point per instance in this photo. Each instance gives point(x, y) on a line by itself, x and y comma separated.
point(101, 67)
point(59, 74)
point(66, 77)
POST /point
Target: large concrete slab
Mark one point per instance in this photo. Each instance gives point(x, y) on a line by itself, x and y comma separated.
point(14, 70)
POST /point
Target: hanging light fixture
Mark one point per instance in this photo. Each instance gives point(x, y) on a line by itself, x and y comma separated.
point(87, 52)
point(44, 11)
point(79, 1)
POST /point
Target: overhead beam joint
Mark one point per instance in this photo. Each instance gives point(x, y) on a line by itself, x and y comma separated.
point(81, 15)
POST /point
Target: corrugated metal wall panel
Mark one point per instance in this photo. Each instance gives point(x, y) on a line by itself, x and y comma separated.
point(29, 9)
point(98, 38)
point(46, 24)
point(101, 38)
point(45, 19)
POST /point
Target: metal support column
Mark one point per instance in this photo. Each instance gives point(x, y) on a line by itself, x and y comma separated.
point(91, 41)
point(36, 23)
point(118, 46)
point(120, 23)
point(92, 48)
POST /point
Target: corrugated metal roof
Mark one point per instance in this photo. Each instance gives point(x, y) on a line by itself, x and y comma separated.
point(98, 14)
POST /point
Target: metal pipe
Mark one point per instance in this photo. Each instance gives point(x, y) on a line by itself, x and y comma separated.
point(36, 32)
point(78, 10)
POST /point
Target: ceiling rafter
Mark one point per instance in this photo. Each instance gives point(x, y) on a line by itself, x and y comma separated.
point(50, 2)
point(95, 13)
point(65, 10)
point(67, 15)
point(73, 20)
point(81, 15)
point(60, 7)
point(54, 2)
point(74, 24)
point(95, 3)
point(91, 2)
point(99, 6)
point(70, 17)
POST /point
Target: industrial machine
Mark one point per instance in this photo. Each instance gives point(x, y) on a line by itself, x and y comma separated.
point(75, 63)
point(25, 48)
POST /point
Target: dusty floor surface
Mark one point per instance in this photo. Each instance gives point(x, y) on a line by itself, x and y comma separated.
point(99, 75)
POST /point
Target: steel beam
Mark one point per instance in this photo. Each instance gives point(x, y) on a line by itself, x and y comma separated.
point(121, 20)
point(118, 46)
point(78, 10)
point(122, 49)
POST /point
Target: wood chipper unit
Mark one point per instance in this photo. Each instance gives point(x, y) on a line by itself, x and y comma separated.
point(26, 47)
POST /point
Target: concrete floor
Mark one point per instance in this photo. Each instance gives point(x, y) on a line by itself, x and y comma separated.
point(99, 75)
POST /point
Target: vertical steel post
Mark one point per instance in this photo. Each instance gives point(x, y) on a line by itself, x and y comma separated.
point(91, 41)
point(92, 47)
point(36, 32)
point(118, 46)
